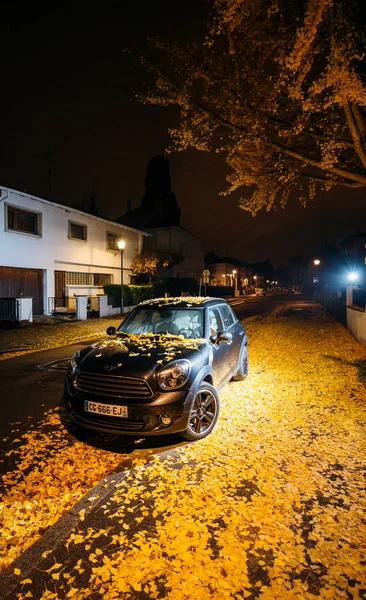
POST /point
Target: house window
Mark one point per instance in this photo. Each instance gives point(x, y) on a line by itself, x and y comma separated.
point(79, 278)
point(101, 279)
point(112, 242)
point(23, 221)
point(77, 231)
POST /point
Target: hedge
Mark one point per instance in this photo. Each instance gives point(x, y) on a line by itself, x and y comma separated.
point(174, 286)
point(132, 294)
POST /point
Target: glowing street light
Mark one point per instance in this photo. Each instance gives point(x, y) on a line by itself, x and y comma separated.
point(353, 276)
point(316, 262)
point(121, 246)
point(235, 280)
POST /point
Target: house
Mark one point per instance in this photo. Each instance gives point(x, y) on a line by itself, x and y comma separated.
point(229, 271)
point(191, 247)
point(159, 215)
point(53, 252)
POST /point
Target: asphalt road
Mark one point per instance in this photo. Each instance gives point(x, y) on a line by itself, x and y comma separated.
point(33, 383)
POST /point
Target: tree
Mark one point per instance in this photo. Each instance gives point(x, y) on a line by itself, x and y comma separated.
point(278, 89)
point(153, 259)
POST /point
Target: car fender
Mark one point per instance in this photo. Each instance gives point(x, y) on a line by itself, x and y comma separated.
point(243, 348)
point(204, 372)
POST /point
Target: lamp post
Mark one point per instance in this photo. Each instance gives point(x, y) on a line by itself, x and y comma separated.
point(235, 282)
point(316, 262)
point(121, 246)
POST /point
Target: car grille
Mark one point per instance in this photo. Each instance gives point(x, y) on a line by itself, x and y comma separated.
point(108, 422)
point(112, 386)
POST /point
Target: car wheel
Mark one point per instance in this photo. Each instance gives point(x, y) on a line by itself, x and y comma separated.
point(243, 367)
point(204, 413)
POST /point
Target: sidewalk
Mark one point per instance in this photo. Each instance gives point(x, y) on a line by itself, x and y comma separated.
point(269, 506)
point(50, 334)
point(47, 332)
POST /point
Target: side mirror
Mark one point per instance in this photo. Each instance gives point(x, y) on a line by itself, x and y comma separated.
point(111, 331)
point(224, 336)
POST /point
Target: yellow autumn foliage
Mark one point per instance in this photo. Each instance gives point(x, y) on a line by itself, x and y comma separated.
point(270, 505)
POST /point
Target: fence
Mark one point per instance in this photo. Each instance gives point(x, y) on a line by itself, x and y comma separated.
point(61, 305)
point(8, 309)
point(334, 300)
point(93, 306)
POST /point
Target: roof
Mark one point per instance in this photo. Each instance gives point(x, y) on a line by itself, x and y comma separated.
point(75, 210)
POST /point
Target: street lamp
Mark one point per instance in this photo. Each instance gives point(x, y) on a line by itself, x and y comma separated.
point(121, 246)
point(353, 276)
point(235, 282)
point(316, 262)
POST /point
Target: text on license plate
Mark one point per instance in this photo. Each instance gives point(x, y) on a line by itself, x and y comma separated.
point(105, 409)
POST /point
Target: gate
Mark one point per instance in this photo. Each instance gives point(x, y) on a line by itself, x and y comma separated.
point(8, 309)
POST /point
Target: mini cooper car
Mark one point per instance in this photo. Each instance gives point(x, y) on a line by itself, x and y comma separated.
point(160, 371)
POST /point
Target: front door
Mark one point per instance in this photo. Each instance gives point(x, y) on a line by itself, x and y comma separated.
point(221, 352)
point(60, 283)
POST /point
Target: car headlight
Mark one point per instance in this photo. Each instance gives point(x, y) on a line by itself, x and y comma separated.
point(74, 361)
point(174, 375)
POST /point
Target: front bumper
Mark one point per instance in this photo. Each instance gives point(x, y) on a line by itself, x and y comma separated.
point(144, 419)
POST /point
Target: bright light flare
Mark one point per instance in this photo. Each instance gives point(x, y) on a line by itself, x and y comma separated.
point(353, 276)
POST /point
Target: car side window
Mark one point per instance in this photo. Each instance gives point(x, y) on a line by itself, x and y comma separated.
point(215, 321)
point(227, 316)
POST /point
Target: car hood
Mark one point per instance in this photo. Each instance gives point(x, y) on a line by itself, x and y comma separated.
point(140, 356)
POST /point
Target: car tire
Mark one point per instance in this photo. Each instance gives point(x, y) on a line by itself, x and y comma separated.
point(204, 413)
point(242, 372)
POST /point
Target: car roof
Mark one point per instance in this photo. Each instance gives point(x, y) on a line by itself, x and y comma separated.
point(182, 302)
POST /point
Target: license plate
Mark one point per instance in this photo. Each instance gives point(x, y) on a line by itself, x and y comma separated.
point(110, 410)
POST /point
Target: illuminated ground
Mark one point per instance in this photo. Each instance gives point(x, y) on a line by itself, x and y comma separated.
point(268, 506)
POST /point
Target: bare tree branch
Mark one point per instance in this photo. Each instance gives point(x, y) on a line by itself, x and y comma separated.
point(355, 134)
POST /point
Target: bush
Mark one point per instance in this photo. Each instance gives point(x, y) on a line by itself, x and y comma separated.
point(132, 294)
point(175, 286)
point(218, 291)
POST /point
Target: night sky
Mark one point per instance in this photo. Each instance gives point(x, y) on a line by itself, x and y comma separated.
point(67, 93)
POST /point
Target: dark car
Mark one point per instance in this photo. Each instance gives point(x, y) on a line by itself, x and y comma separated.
point(160, 371)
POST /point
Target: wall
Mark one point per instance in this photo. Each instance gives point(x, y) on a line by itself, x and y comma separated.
point(356, 318)
point(53, 250)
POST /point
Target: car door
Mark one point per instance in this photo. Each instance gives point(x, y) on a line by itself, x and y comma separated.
point(220, 351)
point(231, 324)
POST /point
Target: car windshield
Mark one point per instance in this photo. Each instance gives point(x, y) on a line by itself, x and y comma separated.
point(186, 322)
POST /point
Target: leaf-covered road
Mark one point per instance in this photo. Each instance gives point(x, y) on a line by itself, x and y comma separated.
point(270, 505)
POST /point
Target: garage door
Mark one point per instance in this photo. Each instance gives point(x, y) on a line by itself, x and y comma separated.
point(15, 283)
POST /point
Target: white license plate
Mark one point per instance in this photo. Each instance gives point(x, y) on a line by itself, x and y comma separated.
point(105, 409)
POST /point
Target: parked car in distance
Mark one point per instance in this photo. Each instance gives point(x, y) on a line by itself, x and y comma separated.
point(160, 371)
point(260, 291)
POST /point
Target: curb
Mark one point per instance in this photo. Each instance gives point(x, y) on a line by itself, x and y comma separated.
point(21, 351)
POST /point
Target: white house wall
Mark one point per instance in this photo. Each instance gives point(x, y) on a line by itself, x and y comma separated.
point(53, 250)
